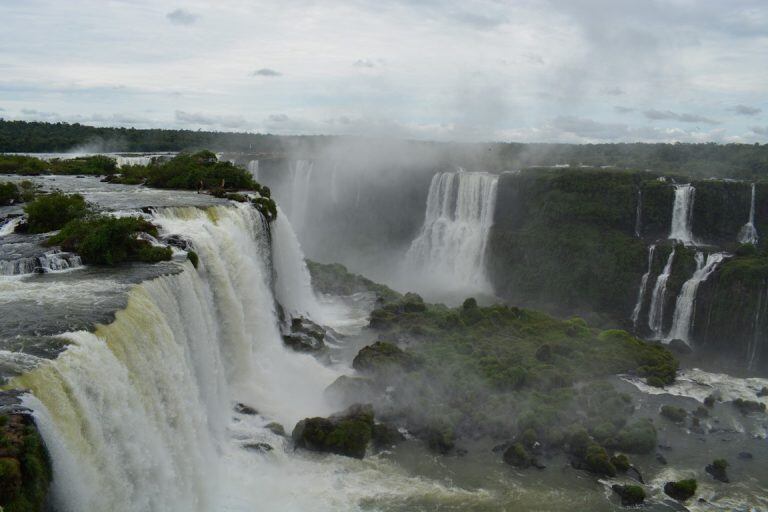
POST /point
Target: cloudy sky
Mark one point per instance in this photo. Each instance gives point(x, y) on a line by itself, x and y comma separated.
point(528, 70)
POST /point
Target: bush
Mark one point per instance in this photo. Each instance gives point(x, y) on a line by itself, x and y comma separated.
point(675, 414)
point(639, 437)
point(681, 490)
point(104, 240)
point(52, 211)
point(630, 494)
point(9, 194)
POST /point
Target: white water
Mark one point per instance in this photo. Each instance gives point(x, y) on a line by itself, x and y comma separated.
point(643, 286)
point(682, 321)
point(682, 212)
point(451, 247)
point(123, 161)
point(639, 213)
point(301, 179)
point(8, 227)
point(748, 233)
point(253, 168)
point(50, 261)
point(758, 333)
point(656, 311)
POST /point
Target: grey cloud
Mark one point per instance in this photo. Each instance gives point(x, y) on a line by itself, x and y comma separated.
point(197, 118)
point(668, 115)
point(181, 17)
point(745, 110)
point(759, 130)
point(590, 128)
point(266, 72)
point(364, 63)
point(614, 91)
point(480, 21)
point(623, 110)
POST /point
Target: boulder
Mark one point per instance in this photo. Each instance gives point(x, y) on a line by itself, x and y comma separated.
point(346, 433)
point(680, 490)
point(718, 470)
point(304, 336)
point(258, 447)
point(382, 357)
point(275, 428)
point(241, 408)
point(630, 494)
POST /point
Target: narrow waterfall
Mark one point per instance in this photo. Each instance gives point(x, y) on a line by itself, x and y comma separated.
point(758, 329)
point(658, 298)
point(643, 286)
point(50, 261)
point(9, 226)
point(682, 213)
point(253, 168)
point(138, 414)
point(452, 243)
point(682, 321)
point(123, 161)
point(748, 233)
point(293, 285)
point(301, 179)
point(639, 213)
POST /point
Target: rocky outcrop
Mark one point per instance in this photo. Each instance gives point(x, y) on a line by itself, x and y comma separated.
point(347, 433)
point(630, 495)
point(305, 336)
point(382, 357)
point(680, 490)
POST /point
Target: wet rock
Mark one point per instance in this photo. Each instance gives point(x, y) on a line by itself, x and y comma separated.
point(763, 392)
point(681, 490)
point(304, 336)
point(718, 470)
point(635, 474)
point(679, 347)
point(745, 456)
point(346, 433)
point(276, 428)
point(748, 406)
point(258, 447)
point(241, 408)
point(661, 459)
point(630, 494)
point(385, 436)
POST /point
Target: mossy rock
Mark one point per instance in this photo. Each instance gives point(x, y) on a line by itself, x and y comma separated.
point(25, 468)
point(630, 495)
point(718, 470)
point(347, 433)
point(382, 357)
point(681, 490)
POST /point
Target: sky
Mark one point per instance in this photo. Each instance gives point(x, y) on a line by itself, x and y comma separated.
point(463, 70)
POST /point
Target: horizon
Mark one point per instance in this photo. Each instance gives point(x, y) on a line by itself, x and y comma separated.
point(553, 71)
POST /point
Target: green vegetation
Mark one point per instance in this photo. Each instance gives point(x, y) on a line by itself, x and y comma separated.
point(335, 279)
point(95, 165)
point(104, 240)
point(25, 470)
point(681, 490)
point(347, 433)
point(52, 211)
point(674, 414)
point(630, 495)
point(9, 194)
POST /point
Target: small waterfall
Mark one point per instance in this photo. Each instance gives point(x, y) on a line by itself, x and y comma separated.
point(50, 261)
point(137, 415)
point(253, 168)
point(9, 226)
point(639, 213)
point(301, 179)
point(682, 213)
point(748, 233)
point(123, 161)
point(452, 243)
point(658, 298)
point(758, 330)
point(682, 321)
point(643, 286)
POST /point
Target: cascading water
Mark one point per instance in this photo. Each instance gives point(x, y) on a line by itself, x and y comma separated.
point(748, 233)
point(123, 161)
point(639, 213)
point(682, 321)
point(253, 168)
point(658, 298)
point(643, 286)
point(50, 261)
point(9, 226)
point(136, 413)
point(301, 179)
point(758, 329)
point(452, 243)
point(682, 213)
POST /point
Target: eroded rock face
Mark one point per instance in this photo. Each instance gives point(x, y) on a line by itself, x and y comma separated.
point(305, 336)
point(347, 433)
point(25, 468)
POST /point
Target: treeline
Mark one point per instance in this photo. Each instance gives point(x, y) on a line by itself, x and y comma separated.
point(744, 161)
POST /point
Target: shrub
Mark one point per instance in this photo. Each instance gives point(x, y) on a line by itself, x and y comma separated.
point(681, 490)
point(9, 194)
point(52, 211)
point(104, 240)
point(675, 414)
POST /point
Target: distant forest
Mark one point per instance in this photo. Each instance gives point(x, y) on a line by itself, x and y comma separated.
point(742, 161)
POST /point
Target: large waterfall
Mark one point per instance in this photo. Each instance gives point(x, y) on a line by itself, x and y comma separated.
point(682, 213)
point(682, 321)
point(748, 233)
point(137, 415)
point(451, 247)
point(298, 201)
point(658, 298)
point(643, 285)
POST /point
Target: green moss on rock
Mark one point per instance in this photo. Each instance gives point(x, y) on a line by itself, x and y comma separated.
point(347, 433)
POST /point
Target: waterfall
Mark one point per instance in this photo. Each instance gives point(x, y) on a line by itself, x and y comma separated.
point(748, 233)
point(643, 286)
point(9, 227)
point(452, 243)
point(50, 261)
point(758, 333)
point(293, 285)
point(137, 415)
point(682, 213)
point(301, 179)
point(639, 213)
point(123, 161)
point(682, 321)
point(658, 298)
point(253, 168)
